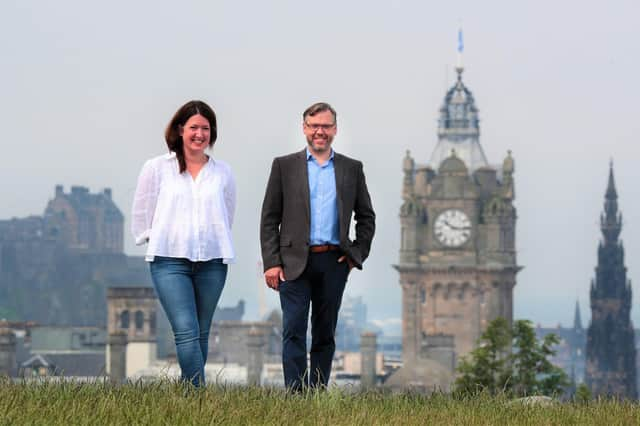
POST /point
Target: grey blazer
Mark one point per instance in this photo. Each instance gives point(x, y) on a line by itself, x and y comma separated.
point(285, 219)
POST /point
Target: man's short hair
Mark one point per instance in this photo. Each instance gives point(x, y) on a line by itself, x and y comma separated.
point(317, 108)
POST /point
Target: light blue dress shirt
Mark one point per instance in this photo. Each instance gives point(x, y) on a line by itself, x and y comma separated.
point(324, 204)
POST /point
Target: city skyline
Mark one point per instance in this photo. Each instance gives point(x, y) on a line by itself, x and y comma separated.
point(89, 89)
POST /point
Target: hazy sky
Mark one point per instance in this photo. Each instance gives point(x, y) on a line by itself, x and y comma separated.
point(87, 88)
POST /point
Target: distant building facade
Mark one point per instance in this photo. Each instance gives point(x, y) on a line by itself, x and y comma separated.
point(54, 268)
point(229, 313)
point(457, 261)
point(352, 321)
point(611, 351)
point(83, 221)
point(63, 351)
point(570, 351)
point(229, 339)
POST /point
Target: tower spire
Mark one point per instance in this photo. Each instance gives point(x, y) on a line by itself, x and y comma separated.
point(611, 193)
point(611, 353)
point(611, 220)
point(577, 319)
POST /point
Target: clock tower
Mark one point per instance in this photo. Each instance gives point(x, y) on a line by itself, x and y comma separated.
point(457, 260)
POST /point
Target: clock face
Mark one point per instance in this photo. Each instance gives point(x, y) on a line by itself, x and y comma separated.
point(452, 228)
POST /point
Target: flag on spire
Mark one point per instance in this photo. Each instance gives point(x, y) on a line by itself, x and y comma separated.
point(459, 66)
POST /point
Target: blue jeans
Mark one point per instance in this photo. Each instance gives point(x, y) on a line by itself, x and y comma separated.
point(189, 293)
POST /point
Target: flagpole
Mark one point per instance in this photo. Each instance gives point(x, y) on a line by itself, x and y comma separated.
point(459, 65)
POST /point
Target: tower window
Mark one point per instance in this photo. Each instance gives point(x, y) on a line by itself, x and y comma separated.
point(139, 320)
point(423, 296)
point(124, 319)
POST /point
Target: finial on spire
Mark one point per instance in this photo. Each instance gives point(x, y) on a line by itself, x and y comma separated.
point(611, 193)
point(611, 220)
point(459, 66)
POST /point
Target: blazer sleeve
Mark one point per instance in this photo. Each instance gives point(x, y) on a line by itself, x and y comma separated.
point(270, 219)
point(365, 219)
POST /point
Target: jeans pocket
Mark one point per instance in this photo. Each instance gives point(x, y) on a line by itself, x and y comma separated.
point(165, 267)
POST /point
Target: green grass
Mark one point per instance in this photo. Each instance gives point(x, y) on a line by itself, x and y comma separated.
point(168, 403)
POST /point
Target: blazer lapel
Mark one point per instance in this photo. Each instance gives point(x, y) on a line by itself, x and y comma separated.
point(303, 174)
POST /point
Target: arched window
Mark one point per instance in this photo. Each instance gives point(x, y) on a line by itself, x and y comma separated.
point(139, 320)
point(124, 319)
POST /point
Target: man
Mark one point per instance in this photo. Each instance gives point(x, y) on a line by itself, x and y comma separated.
point(306, 250)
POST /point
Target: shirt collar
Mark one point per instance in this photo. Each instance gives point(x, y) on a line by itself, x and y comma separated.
point(309, 156)
point(171, 154)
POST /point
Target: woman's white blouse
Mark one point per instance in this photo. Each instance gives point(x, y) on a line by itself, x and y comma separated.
point(184, 217)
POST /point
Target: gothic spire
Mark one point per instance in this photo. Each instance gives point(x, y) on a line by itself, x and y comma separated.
point(611, 193)
point(611, 353)
point(577, 320)
point(611, 220)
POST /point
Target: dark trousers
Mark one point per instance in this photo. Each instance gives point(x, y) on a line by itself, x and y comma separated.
point(321, 285)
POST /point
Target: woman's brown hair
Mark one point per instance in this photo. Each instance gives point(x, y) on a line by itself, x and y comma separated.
point(186, 111)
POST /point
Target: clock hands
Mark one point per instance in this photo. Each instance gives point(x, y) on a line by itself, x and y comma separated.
point(457, 228)
point(452, 228)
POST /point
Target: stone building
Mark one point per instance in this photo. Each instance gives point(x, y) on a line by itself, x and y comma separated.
point(570, 351)
point(8, 363)
point(229, 339)
point(352, 321)
point(132, 310)
point(611, 352)
point(84, 221)
point(457, 261)
point(64, 351)
point(54, 268)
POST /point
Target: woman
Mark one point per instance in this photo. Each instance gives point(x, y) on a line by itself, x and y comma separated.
point(183, 208)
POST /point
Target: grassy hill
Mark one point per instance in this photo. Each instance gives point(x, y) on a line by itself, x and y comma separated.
point(168, 403)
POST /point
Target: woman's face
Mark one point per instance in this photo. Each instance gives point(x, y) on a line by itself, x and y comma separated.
point(196, 134)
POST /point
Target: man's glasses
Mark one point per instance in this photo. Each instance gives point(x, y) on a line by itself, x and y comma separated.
point(316, 127)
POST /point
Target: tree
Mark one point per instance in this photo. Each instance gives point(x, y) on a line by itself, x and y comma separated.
point(583, 394)
point(533, 373)
point(511, 360)
point(484, 369)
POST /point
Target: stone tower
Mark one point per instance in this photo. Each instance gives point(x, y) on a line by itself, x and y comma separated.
point(368, 348)
point(457, 261)
point(611, 354)
point(578, 343)
point(132, 310)
point(255, 356)
point(8, 366)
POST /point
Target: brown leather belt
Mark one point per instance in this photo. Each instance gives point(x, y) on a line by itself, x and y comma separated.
point(323, 248)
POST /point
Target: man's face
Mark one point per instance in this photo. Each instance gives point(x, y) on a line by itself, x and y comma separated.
point(320, 130)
